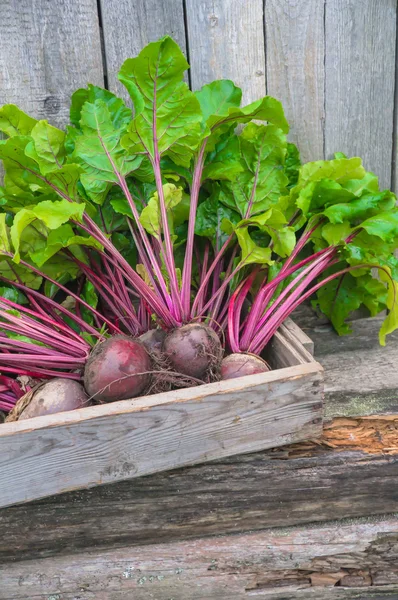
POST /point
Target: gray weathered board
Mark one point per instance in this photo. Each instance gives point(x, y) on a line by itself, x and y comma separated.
point(242, 493)
point(128, 439)
point(360, 557)
point(331, 62)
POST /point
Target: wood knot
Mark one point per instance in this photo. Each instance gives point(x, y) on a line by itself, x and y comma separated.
point(213, 20)
point(52, 104)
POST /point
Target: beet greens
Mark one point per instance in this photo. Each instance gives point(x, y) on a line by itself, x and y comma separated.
point(187, 209)
point(158, 160)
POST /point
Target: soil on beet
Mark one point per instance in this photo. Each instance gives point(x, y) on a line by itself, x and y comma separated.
point(195, 350)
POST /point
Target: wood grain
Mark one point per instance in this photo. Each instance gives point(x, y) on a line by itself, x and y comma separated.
point(48, 50)
point(128, 439)
point(361, 377)
point(289, 563)
point(226, 41)
point(278, 488)
point(128, 26)
point(294, 32)
point(296, 335)
point(360, 74)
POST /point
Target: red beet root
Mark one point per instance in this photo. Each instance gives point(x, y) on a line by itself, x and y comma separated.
point(194, 350)
point(55, 396)
point(241, 364)
point(153, 340)
point(117, 369)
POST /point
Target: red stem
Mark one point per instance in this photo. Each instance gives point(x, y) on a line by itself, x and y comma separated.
point(187, 268)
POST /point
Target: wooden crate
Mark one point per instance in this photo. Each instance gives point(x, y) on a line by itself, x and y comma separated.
point(112, 442)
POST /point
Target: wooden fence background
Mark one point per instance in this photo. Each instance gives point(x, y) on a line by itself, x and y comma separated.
point(331, 62)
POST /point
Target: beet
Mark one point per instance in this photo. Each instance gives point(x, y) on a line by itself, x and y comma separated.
point(113, 370)
point(241, 364)
point(56, 395)
point(153, 340)
point(194, 350)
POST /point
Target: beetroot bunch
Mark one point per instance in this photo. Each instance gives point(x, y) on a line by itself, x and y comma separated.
point(161, 246)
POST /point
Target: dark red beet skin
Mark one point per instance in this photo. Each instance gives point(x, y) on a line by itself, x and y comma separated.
point(112, 371)
point(153, 339)
point(241, 364)
point(194, 350)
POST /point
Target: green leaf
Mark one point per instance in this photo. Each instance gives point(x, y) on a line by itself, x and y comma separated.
point(383, 225)
point(368, 249)
point(4, 234)
point(338, 299)
point(267, 109)
point(340, 170)
point(65, 181)
point(13, 121)
point(47, 147)
point(168, 167)
point(122, 207)
point(120, 114)
point(99, 152)
point(151, 217)
point(90, 296)
point(58, 266)
point(263, 181)
point(19, 273)
point(50, 289)
point(209, 217)
point(284, 240)
point(334, 234)
point(375, 294)
point(70, 140)
point(11, 293)
point(126, 246)
point(167, 113)
point(315, 195)
point(224, 162)
point(251, 252)
point(273, 223)
point(368, 205)
point(52, 214)
point(180, 212)
point(141, 194)
point(368, 183)
point(390, 323)
point(292, 163)
point(23, 173)
point(217, 97)
point(62, 237)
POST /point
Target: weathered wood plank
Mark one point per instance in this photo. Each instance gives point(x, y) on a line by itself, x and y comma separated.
point(122, 440)
point(226, 41)
point(269, 489)
point(48, 50)
point(294, 33)
point(128, 26)
point(281, 354)
point(360, 74)
point(271, 564)
point(292, 330)
point(361, 377)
